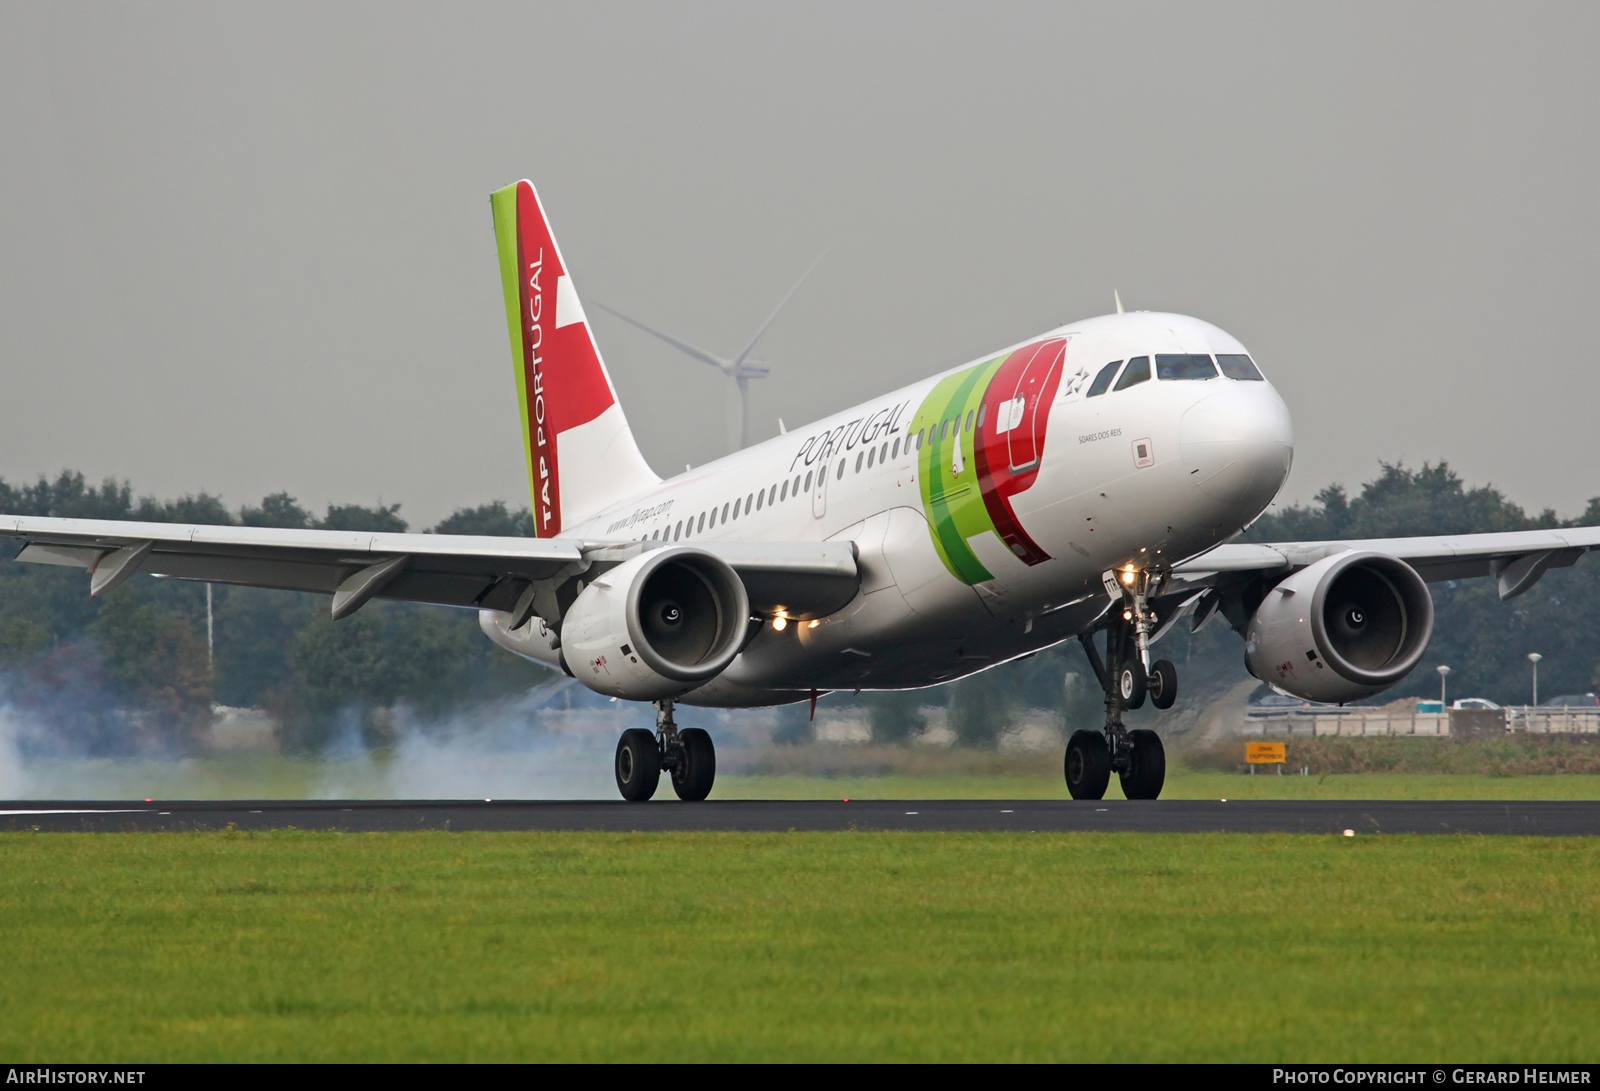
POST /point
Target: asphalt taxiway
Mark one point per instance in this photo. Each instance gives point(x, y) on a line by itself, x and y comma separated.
point(1544, 818)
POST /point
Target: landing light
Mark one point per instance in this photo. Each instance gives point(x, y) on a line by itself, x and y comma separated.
point(780, 623)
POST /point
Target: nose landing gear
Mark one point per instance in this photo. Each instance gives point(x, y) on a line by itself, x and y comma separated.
point(688, 756)
point(1127, 678)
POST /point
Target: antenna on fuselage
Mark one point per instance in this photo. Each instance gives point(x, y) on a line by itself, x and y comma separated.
point(741, 369)
point(1118, 297)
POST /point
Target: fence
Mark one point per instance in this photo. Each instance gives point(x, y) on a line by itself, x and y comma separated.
point(1285, 723)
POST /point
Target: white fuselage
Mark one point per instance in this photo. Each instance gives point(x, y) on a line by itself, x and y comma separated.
point(1150, 474)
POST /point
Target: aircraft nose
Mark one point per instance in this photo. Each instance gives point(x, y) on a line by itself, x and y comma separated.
point(1236, 444)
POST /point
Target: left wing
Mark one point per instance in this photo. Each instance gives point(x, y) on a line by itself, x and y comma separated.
point(1516, 558)
point(522, 576)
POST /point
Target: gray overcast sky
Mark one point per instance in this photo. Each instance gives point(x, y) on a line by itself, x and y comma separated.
point(245, 249)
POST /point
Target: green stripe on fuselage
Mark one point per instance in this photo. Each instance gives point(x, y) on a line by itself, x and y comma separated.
point(953, 501)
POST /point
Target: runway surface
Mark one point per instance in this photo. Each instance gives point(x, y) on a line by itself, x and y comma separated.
point(1165, 816)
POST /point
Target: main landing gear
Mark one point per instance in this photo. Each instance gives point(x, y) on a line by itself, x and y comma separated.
point(1127, 677)
point(687, 755)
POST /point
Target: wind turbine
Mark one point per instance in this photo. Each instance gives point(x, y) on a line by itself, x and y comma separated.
point(740, 368)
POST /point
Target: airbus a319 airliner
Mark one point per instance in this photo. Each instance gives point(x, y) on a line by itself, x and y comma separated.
point(1082, 483)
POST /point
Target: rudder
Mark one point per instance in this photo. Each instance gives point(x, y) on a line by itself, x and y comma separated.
point(581, 455)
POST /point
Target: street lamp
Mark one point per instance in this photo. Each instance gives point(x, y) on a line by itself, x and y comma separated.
point(1534, 657)
point(1444, 672)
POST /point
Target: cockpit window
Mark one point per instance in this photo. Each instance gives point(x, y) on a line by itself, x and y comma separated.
point(1170, 367)
point(1239, 366)
point(1102, 381)
point(1137, 371)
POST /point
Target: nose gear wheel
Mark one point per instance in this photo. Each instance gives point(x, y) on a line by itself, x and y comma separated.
point(1127, 677)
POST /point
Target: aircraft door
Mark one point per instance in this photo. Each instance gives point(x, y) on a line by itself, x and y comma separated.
point(819, 491)
point(1025, 405)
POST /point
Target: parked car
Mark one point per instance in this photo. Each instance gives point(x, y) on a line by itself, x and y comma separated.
point(1475, 702)
point(1277, 702)
point(1572, 700)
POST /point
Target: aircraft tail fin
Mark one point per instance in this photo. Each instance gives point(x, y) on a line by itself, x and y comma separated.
point(581, 455)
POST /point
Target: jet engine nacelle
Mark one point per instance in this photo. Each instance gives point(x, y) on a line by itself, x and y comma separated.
point(1347, 627)
point(659, 625)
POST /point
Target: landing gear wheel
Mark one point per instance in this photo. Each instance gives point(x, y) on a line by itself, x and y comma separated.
point(1147, 769)
point(1162, 683)
point(638, 764)
point(1132, 684)
point(1088, 765)
point(697, 768)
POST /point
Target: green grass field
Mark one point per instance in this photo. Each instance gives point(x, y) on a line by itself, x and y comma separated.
point(435, 946)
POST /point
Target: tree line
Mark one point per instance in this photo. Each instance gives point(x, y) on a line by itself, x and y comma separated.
point(131, 671)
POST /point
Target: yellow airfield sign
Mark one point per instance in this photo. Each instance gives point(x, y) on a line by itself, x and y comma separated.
point(1266, 753)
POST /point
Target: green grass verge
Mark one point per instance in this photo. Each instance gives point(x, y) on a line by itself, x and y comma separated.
point(649, 947)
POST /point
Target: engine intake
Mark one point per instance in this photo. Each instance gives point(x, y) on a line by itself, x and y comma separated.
point(656, 626)
point(1347, 627)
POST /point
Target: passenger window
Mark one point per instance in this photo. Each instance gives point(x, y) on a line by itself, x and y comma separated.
point(1239, 366)
point(701, 526)
point(859, 456)
point(1102, 381)
point(840, 475)
point(969, 420)
point(747, 501)
point(761, 498)
point(883, 452)
point(872, 456)
point(944, 429)
point(736, 504)
point(1137, 371)
point(1190, 366)
point(808, 481)
point(919, 439)
point(677, 533)
point(784, 495)
point(896, 453)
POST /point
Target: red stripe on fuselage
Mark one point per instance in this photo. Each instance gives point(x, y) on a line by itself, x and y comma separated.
point(1032, 373)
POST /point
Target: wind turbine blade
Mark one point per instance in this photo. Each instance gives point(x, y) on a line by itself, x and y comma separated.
point(739, 359)
point(682, 346)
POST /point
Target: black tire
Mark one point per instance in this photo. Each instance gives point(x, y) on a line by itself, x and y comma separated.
point(1132, 684)
point(1088, 765)
point(1147, 772)
point(693, 777)
point(1163, 683)
point(638, 764)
